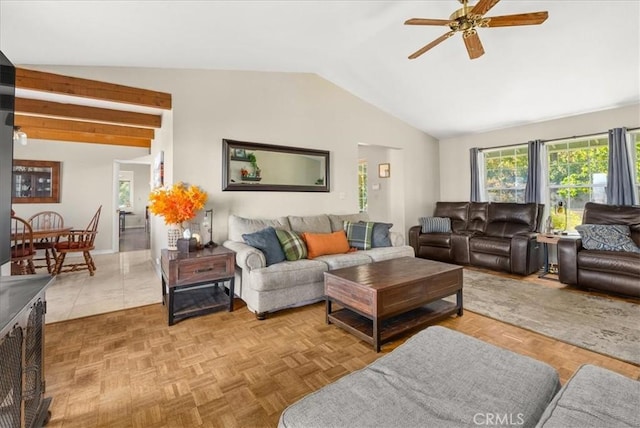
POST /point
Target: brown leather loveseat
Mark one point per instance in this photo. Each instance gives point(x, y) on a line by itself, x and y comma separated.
point(606, 270)
point(499, 236)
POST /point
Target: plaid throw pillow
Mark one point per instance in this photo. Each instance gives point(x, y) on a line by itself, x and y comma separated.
point(359, 234)
point(292, 244)
point(435, 224)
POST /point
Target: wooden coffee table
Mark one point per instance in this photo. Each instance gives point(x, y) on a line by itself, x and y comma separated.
point(381, 300)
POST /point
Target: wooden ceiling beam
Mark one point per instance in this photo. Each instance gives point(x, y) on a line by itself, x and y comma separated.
point(85, 137)
point(78, 126)
point(59, 84)
point(50, 108)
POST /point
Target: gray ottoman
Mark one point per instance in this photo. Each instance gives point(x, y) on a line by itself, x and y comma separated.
point(595, 397)
point(437, 378)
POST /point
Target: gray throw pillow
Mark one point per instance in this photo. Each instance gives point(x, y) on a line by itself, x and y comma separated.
point(607, 237)
point(435, 224)
point(266, 241)
point(380, 237)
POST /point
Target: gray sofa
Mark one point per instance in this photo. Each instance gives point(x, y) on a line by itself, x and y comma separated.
point(294, 283)
point(443, 378)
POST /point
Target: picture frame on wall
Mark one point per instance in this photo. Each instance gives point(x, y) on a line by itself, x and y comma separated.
point(384, 170)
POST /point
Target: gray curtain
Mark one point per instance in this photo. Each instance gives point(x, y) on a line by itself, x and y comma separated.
point(534, 186)
point(620, 174)
point(476, 178)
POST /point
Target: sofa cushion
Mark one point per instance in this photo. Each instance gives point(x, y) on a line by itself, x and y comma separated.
point(437, 378)
point(312, 223)
point(266, 241)
point(435, 224)
point(338, 261)
point(380, 237)
point(615, 262)
point(442, 240)
point(387, 253)
point(507, 219)
point(240, 225)
point(319, 244)
point(292, 245)
point(359, 235)
point(607, 237)
point(458, 212)
point(337, 220)
point(594, 397)
point(287, 274)
point(490, 245)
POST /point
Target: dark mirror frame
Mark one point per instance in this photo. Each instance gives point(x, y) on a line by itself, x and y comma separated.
point(227, 185)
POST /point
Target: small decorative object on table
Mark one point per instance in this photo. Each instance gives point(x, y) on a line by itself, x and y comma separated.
point(177, 204)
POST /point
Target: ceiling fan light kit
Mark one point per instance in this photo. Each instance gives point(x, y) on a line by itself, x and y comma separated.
point(468, 18)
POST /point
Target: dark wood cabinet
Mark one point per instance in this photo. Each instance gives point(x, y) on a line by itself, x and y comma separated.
point(194, 283)
point(35, 182)
point(22, 382)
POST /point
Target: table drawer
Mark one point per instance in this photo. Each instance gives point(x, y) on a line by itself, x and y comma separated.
point(203, 270)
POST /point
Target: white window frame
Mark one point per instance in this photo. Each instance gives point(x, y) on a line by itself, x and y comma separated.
point(126, 176)
point(519, 188)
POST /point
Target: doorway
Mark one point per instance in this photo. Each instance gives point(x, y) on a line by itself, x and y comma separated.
point(132, 195)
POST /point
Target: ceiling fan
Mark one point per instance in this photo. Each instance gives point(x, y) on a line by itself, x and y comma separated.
point(468, 18)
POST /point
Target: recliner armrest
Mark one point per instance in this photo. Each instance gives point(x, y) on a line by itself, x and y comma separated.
point(526, 257)
point(568, 260)
point(414, 234)
point(247, 257)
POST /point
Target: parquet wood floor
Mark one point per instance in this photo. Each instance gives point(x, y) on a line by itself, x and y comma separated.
point(129, 369)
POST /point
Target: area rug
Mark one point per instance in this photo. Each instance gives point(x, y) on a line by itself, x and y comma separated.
point(600, 324)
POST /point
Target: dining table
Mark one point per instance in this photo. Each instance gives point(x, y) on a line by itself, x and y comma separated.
point(51, 234)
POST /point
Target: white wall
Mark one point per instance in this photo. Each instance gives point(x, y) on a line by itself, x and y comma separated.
point(86, 182)
point(455, 181)
point(294, 109)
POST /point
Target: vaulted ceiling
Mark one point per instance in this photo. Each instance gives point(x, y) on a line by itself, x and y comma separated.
point(41, 118)
point(584, 57)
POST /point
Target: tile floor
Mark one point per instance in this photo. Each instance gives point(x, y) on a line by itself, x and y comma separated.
point(122, 280)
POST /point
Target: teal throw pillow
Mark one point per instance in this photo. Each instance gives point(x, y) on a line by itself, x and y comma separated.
point(266, 241)
point(380, 237)
point(359, 235)
point(607, 237)
point(292, 245)
point(435, 224)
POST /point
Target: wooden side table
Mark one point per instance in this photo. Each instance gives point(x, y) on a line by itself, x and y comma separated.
point(193, 283)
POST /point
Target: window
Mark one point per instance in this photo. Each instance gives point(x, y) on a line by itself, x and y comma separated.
point(505, 174)
point(577, 174)
point(125, 190)
point(362, 186)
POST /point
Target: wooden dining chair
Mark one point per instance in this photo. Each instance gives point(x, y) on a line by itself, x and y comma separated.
point(46, 220)
point(77, 241)
point(22, 250)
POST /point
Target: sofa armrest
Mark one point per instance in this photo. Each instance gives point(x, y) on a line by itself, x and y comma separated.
point(568, 260)
point(526, 255)
point(414, 234)
point(397, 240)
point(247, 257)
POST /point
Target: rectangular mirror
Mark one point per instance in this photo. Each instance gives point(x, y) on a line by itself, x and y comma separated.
point(35, 182)
point(267, 167)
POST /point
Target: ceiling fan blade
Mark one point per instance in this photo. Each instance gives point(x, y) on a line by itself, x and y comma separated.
point(437, 41)
point(473, 44)
point(533, 18)
point(422, 21)
point(483, 7)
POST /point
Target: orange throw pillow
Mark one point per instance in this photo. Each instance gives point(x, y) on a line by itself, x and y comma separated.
point(320, 244)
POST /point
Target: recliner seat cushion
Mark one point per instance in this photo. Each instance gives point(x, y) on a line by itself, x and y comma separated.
point(610, 261)
point(490, 245)
point(442, 240)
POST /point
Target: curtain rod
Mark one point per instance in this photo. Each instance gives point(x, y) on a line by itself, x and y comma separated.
point(553, 139)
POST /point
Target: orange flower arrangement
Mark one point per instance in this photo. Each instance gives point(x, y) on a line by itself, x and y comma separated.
point(178, 203)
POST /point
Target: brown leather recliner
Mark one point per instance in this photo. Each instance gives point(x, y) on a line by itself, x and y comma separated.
point(610, 271)
point(498, 236)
